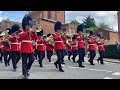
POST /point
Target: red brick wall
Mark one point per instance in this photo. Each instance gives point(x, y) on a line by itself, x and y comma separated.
point(118, 25)
point(48, 27)
point(60, 16)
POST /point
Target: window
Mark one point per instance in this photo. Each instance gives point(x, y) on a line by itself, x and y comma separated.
point(49, 14)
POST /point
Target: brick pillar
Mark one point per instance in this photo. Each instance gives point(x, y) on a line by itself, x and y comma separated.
point(118, 13)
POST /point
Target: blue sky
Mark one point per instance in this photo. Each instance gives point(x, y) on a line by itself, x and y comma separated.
point(108, 17)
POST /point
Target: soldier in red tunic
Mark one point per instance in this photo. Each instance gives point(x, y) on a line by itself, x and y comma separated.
point(49, 47)
point(58, 45)
point(6, 48)
point(101, 49)
point(74, 48)
point(40, 47)
point(1, 50)
point(15, 45)
point(91, 48)
point(81, 45)
point(27, 50)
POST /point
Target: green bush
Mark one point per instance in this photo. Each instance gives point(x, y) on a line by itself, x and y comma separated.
point(111, 51)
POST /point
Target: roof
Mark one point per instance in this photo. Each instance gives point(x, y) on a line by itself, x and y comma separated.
point(50, 20)
point(109, 30)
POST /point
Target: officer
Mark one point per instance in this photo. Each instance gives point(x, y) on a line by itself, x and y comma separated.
point(27, 50)
point(58, 45)
point(15, 46)
point(81, 45)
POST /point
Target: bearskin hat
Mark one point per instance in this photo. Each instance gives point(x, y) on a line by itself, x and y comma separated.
point(98, 35)
point(40, 33)
point(74, 37)
point(26, 21)
point(80, 28)
point(91, 32)
point(10, 31)
point(49, 34)
point(15, 28)
point(57, 26)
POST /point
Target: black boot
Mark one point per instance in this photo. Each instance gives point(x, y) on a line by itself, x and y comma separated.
point(61, 70)
point(98, 60)
point(49, 60)
point(56, 65)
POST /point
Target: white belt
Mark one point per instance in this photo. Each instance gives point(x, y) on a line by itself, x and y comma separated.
point(100, 45)
point(91, 44)
point(40, 44)
point(27, 41)
point(15, 43)
point(59, 41)
point(74, 46)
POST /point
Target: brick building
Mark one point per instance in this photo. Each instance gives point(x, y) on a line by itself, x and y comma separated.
point(4, 24)
point(112, 36)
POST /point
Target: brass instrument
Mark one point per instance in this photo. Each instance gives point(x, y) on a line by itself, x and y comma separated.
point(36, 28)
point(69, 41)
point(5, 35)
point(50, 40)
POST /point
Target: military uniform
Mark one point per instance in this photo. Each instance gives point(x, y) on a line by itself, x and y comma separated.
point(41, 49)
point(58, 45)
point(101, 50)
point(81, 45)
point(1, 51)
point(92, 49)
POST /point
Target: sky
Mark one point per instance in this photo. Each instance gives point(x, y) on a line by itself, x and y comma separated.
point(108, 17)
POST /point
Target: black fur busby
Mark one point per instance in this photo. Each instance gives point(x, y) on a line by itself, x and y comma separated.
point(57, 26)
point(80, 28)
point(15, 28)
point(26, 21)
point(74, 37)
point(40, 33)
point(91, 33)
point(49, 34)
point(99, 35)
point(9, 31)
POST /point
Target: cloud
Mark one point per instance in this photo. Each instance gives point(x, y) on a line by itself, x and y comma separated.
point(108, 17)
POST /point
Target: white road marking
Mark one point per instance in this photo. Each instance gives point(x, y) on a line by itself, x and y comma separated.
point(108, 78)
point(116, 73)
point(91, 69)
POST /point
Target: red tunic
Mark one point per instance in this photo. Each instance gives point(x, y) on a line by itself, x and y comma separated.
point(26, 42)
point(15, 43)
point(48, 47)
point(100, 45)
point(74, 46)
point(80, 41)
point(91, 44)
point(40, 45)
point(59, 44)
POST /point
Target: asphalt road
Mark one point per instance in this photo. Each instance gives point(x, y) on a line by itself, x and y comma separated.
point(72, 71)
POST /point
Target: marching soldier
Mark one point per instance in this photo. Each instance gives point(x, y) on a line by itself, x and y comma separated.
point(40, 47)
point(81, 45)
point(27, 50)
point(59, 45)
point(101, 49)
point(1, 50)
point(15, 45)
point(69, 48)
point(74, 48)
point(49, 48)
point(91, 48)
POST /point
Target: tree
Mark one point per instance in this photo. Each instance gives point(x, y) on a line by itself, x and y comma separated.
point(75, 22)
point(104, 26)
point(89, 22)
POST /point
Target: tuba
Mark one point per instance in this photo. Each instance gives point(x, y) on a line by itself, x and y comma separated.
point(36, 28)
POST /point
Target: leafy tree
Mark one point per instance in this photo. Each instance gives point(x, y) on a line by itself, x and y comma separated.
point(89, 22)
point(104, 26)
point(75, 22)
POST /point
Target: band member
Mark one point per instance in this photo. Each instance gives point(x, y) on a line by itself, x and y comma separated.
point(1, 50)
point(91, 48)
point(59, 45)
point(27, 50)
point(81, 45)
point(49, 48)
point(74, 48)
point(6, 47)
point(69, 47)
point(15, 45)
point(40, 47)
point(101, 49)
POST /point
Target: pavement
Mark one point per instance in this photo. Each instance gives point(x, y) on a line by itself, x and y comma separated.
point(107, 71)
